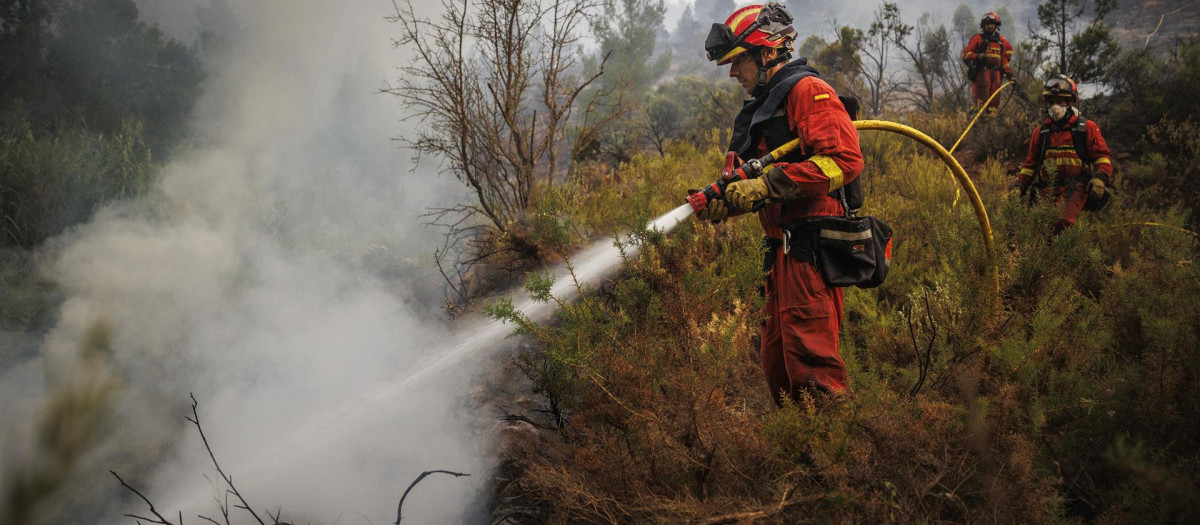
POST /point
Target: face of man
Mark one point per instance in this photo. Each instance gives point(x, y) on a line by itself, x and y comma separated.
point(745, 70)
point(1057, 107)
point(989, 27)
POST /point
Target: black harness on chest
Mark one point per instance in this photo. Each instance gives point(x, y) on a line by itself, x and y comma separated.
point(765, 117)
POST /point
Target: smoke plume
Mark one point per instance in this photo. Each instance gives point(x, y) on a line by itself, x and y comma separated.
point(279, 272)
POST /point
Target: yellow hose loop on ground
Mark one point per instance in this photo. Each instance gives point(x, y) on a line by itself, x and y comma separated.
point(1159, 225)
point(959, 173)
point(972, 124)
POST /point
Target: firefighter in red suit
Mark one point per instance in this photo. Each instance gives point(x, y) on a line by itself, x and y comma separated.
point(987, 56)
point(788, 100)
point(1068, 159)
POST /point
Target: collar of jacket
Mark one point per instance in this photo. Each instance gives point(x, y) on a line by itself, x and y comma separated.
point(766, 100)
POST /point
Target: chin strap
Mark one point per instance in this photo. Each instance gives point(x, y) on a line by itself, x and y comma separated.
point(785, 54)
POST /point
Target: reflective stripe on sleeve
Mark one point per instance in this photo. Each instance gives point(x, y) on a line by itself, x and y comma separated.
point(830, 169)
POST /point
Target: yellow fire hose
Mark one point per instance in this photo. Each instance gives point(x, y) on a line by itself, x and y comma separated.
point(971, 125)
point(955, 168)
point(1159, 225)
point(981, 110)
point(959, 173)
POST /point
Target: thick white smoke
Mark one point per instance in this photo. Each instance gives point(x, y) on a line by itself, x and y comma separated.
point(278, 271)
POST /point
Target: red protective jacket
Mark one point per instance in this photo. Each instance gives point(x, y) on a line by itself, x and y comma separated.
point(817, 116)
point(1060, 153)
point(994, 56)
point(994, 59)
point(1063, 174)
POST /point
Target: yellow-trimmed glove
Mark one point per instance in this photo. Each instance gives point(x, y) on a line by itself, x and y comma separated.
point(1095, 187)
point(743, 194)
point(715, 211)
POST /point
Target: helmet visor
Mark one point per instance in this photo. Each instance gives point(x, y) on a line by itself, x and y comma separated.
point(720, 41)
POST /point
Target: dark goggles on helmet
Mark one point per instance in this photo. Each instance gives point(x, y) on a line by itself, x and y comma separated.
point(1057, 88)
point(720, 40)
point(772, 18)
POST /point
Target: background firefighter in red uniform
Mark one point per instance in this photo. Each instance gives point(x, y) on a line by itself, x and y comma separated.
point(803, 314)
point(1068, 158)
point(986, 57)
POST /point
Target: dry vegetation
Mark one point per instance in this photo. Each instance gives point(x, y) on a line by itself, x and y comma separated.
point(1068, 401)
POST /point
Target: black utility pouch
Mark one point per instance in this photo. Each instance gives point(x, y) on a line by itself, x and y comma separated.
point(854, 251)
point(848, 250)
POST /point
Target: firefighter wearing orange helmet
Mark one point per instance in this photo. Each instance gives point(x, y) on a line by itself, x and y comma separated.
point(799, 347)
point(986, 57)
point(1068, 158)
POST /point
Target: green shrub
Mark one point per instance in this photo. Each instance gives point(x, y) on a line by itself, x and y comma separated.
point(55, 179)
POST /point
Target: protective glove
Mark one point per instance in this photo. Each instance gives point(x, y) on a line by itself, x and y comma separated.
point(1095, 188)
point(1022, 186)
point(743, 194)
point(715, 210)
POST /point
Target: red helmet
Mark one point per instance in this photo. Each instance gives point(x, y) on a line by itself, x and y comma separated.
point(1060, 86)
point(748, 28)
point(990, 18)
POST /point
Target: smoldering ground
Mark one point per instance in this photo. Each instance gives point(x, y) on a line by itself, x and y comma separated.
point(277, 271)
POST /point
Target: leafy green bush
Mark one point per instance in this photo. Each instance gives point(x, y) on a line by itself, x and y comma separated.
point(55, 179)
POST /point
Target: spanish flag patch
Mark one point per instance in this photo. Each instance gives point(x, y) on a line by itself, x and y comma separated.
point(822, 96)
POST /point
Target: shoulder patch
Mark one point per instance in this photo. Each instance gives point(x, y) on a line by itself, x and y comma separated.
point(822, 96)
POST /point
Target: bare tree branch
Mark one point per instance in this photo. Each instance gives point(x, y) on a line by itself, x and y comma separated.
point(400, 507)
point(748, 516)
point(494, 111)
point(195, 420)
point(158, 518)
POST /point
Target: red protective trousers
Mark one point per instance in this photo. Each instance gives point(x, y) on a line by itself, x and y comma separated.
point(1073, 195)
point(799, 346)
point(800, 336)
point(986, 83)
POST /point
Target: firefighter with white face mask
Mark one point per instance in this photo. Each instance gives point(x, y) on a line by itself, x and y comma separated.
point(1068, 158)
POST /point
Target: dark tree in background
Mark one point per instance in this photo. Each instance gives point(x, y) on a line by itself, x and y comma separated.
point(1081, 51)
point(965, 24)
point(24, 37)
point(840, 61)
point(90, 96)
point(628, 35)
point(94, 61)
